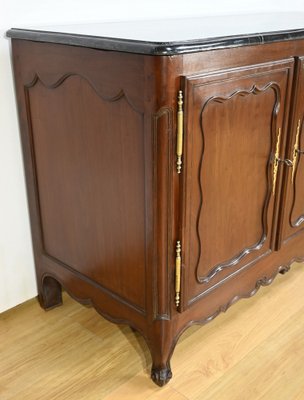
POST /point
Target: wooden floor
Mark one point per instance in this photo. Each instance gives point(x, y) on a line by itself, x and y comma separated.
point(254, 351)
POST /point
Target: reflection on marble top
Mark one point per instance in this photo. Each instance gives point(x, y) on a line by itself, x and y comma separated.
point(172, 36)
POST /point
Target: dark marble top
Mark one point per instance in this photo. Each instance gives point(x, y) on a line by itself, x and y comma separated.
point(172, 36)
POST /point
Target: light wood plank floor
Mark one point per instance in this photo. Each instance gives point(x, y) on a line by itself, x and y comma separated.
point(255, 351)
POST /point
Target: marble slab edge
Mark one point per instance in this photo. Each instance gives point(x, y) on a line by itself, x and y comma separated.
point(155, 48)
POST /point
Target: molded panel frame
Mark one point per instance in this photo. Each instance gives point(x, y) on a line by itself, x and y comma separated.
point(275, 75)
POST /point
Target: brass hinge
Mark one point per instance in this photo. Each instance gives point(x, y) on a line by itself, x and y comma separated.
point(180, 128)
point(178, 262)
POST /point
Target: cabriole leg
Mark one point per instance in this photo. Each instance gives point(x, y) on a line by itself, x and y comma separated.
point(161, 346)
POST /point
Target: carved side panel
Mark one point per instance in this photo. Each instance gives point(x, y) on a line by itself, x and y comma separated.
point(232, 127)
point(89, 163)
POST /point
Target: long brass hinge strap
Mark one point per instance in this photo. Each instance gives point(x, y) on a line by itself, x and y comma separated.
point(180, 127)
point(178, 263)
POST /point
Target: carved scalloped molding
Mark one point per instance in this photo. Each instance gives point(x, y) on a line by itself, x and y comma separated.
point(57, 82)
point(264, 281)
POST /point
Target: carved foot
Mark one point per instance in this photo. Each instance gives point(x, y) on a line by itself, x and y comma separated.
point(161, 376)
point(284, 269)
point(50, 293)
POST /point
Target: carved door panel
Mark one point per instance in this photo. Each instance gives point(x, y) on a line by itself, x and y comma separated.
point(235, 122)
point(293, 202)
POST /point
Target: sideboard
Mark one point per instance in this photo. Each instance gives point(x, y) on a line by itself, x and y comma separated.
point(165, 176)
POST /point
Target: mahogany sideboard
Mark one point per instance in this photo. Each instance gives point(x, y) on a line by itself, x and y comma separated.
point(165, 177)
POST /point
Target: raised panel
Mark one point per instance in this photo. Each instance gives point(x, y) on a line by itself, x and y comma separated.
point(89, 159)
point(233, 122)
point(293, 201)
point(227, 162)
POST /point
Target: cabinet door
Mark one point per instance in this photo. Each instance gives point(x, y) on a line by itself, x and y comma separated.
point(292, 216)
point(235, 123)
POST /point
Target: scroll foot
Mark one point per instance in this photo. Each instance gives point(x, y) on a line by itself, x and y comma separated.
point(161, 376)
point(284, 269)
point(50, 293)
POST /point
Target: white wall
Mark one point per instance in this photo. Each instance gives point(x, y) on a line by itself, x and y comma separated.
point(17, 281)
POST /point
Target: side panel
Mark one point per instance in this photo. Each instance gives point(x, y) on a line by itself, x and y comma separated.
point(234, 121)
point(87, 145)
point(89, 160)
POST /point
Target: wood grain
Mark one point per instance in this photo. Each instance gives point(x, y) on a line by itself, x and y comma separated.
point(72, 353)
point(107, 205)
point(292, 216)
point(232, 126)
